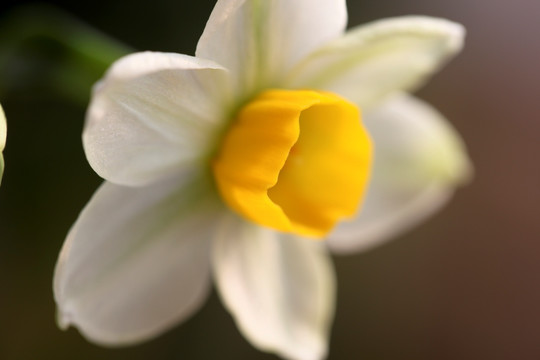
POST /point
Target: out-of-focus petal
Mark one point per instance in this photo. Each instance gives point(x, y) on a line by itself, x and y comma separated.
point(279, 288)
point(3, 129)
point(3, 133)
point(419, 160)
point(376, 59)
point(259, 40)
point(386, 215)
point(153, 115)
point(136, 262)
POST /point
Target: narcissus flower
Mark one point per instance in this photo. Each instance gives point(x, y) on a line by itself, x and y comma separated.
point(233, 166)
point(3, 133)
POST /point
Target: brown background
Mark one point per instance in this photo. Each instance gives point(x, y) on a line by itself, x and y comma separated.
point(465, 285)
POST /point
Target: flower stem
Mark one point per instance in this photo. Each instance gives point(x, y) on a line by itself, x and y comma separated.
point(45, 47)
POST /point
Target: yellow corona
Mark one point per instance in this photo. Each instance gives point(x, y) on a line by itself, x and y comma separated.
point(295, 161)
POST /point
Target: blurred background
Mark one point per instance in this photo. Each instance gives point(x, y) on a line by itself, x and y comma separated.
point(465, 285)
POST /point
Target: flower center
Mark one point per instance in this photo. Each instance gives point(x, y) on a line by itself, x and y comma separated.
point(295, 160)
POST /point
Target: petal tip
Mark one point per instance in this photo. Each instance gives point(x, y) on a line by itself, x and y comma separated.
point(465, 172)
point(453, 31)
point(63, 319)
point(456, 38)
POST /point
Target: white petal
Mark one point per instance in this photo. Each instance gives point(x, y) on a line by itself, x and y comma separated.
point(280, 289)
point(3, 129)
point(376, 59)
point(3, 133)
point(258, 40)
point(386, 215)
point(136, 262)
point(419, 160)
point(153, 115)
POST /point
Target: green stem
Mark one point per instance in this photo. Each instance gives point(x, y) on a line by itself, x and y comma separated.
point(41, 43)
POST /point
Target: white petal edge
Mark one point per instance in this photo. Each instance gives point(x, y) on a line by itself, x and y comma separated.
point(419, 161)
point(136, 262)
point(259, 40)
point(365, 234)
point(373, 60)
point(3, 134)
point(154, 114)
point(280, 289)
point(3, 129)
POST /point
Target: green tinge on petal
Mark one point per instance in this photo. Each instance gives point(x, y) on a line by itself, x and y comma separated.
point(259, 41)
point(445, 159)
point(432, 150)
point(379, 58)
point(419, 161)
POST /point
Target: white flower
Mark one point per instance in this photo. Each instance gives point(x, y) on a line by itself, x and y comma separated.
point(162, 129)
point(3, 133)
